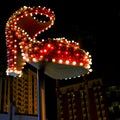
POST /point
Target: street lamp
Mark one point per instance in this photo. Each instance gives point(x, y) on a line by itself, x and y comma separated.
point(58, 58)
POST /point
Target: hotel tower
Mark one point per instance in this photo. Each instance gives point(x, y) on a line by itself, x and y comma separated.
point(21, 91)
point(82, 101)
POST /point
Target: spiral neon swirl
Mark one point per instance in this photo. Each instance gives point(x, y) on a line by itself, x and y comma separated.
point(21, 32)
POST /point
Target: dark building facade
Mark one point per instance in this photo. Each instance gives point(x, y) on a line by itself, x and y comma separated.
point(113, 101)
point(82, 101)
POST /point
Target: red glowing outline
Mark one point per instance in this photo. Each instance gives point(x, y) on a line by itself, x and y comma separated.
point(22, 46)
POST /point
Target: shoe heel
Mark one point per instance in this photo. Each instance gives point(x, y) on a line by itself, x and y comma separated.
point(21, 32)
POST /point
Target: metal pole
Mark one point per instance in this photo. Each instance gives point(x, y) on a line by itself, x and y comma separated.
point(38, 90)
point(41, 95)
point(87, 93)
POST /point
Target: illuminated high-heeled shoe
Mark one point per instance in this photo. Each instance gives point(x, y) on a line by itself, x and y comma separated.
point(59, 55)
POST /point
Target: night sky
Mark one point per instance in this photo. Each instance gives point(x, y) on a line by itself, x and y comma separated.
point(74, 21)
point(95, 26)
